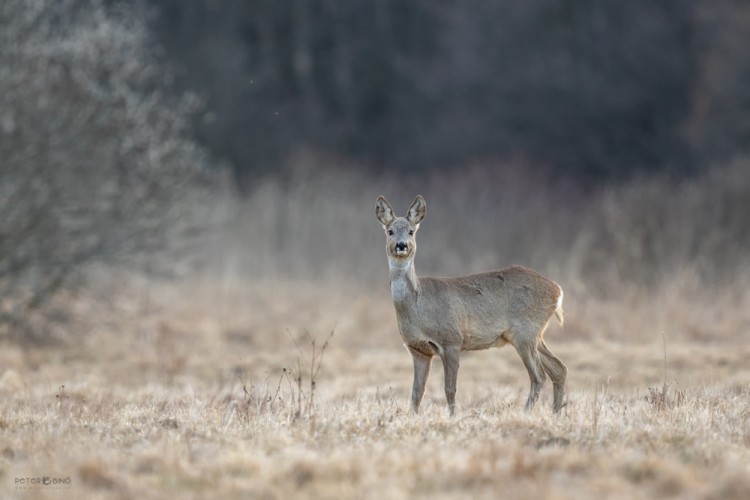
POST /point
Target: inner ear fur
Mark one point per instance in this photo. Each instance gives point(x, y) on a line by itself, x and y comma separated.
point(383, 211)
point(417, 211)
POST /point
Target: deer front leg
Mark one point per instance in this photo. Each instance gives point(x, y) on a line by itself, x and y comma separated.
point(422, 363)
point(450, 367)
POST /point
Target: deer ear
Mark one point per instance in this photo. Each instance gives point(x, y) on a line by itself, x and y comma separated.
point(417, 211)
point(383, 211)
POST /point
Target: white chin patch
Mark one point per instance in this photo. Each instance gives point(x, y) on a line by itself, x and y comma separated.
point(402, 253)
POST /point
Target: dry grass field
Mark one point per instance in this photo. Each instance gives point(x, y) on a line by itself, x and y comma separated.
point(192, 391)
point(202, 386)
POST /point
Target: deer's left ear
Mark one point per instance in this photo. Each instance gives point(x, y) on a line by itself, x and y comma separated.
point(383, 211)
point(417, 211)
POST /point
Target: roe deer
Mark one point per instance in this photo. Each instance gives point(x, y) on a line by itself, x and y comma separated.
point(444, 316)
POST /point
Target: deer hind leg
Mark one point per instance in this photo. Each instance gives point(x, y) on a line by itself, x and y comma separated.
point(557, 371)
point(532, 361)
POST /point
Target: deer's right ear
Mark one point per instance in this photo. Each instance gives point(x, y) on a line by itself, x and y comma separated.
point(383, 211)
point(417, 211)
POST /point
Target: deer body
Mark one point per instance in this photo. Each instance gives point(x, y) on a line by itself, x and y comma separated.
point(444, 316)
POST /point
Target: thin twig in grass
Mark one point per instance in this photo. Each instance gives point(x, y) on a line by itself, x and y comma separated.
point(244, 388)
point(63, 399)
point(659, 398)
point(664, 342)
point(299, 390)
point(315, 362)
point(296, 344)
point(278, 388)
point(262, 398)
point(597, 405)
point(291, 387)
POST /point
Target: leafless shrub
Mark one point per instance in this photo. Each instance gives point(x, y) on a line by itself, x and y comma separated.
point(96, 158)
point(293, 395)
point(305, 396)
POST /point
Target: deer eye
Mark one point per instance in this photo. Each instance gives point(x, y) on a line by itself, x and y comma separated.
point(411, 232)
point(390, 232)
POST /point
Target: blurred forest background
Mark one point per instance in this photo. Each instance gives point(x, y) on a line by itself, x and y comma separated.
point(603, 142)
point(591, 89)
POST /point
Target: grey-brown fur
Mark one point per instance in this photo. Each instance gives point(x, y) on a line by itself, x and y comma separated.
point(444, 316)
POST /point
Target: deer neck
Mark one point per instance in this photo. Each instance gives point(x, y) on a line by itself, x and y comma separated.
point(404, 281)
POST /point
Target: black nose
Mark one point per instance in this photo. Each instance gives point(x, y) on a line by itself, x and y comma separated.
point(400, 246)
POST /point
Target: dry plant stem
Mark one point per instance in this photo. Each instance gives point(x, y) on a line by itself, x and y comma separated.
point(314, 364)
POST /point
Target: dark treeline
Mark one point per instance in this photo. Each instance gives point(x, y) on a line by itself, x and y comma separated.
point(592, 88)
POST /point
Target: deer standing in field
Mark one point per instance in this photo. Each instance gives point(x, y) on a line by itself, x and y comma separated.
point(444, 316)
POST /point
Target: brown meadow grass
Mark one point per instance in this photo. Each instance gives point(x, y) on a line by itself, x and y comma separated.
point(202, 399)
point(201, 386)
